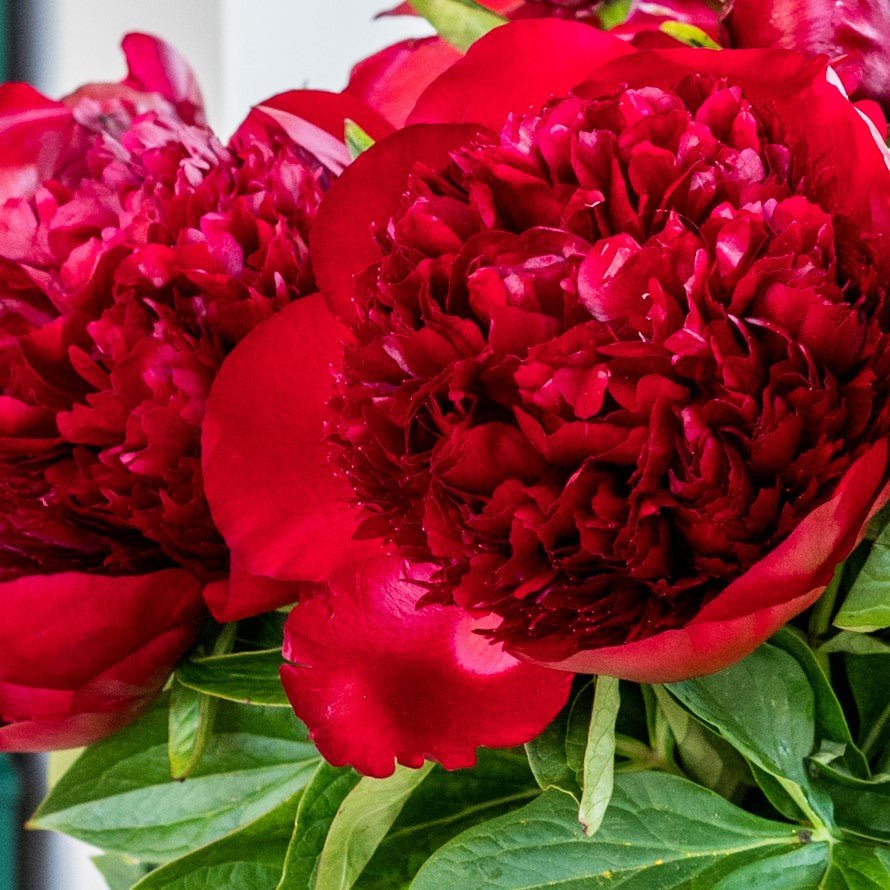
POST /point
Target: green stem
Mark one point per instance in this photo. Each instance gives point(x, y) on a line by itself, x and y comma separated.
point(796, 793)
point(642, 758)
point(632, 749)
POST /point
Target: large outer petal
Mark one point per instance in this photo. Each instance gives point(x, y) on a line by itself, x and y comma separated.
point(392, 80)
point(757, 604)
point(378, 680)
point(83, 655)
point(272, 490)
point(366, 196)
point(514, 68)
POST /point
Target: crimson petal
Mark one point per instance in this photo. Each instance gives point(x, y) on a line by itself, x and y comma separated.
point(392, 80)
point(155, 67)
point(330, 111)
point(272, 490)
point(83, 655)
point(854, 29)
point(379, 680)
point(242, 595)
point(521, 65)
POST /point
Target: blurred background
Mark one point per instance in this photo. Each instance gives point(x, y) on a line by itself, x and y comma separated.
point(242, 51)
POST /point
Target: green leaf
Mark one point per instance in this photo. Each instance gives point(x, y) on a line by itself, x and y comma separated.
point(599, 756)
point(250, 858)
point(861, 806)
point(765, 708)
point(190, 724)
point(249, 678)
point(688, 34)
point(869, 679)
point(321, 800)
point(878, 524)
point(361, 823)
point(857, 868)
point(120, 872)
point(801, 869)
point(460, 22)
point(547, 758)
point(660, 831)
point(357, 140)
point(556, 756)
point(614, 13)
point(58, 763)
point(191, 716)
point(831, 723)
point(867, 606)
point(632, 718)
point(119, 796)
point(444, 805)
point(580, 711)
point(851, 867)
point(855, 644)
point(703, 755)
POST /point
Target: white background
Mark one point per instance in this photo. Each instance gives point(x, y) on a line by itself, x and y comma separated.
point(242, 52)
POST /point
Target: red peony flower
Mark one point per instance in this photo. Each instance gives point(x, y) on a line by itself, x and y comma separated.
point(135, 252)
point(612, 386)
point(852, 32)
point(392, 80)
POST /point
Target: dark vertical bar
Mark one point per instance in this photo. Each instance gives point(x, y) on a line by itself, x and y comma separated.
point(5, 43)
point(9, 809)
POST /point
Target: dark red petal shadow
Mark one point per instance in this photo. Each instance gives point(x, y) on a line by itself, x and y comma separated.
point(377, 680)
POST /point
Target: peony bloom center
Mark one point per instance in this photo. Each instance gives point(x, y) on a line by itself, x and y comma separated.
point(610, 359)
